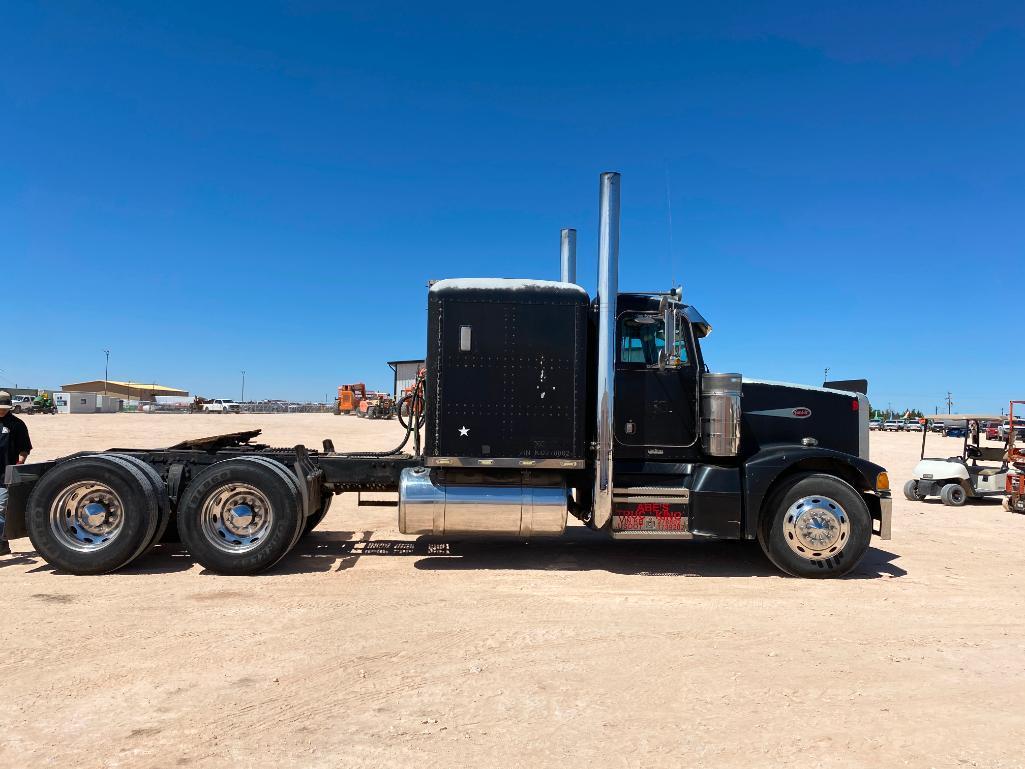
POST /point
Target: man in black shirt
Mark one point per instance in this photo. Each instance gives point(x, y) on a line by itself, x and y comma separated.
point(14, 450)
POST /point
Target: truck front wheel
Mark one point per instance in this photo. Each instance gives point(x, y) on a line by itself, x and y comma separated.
point(815, 525)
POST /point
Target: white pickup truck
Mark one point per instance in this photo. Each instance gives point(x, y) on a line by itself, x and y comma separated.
point(1005, 428)
point(221, 406)
point(21, 404)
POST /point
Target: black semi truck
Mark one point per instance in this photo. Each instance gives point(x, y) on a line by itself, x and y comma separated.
point(538, 403)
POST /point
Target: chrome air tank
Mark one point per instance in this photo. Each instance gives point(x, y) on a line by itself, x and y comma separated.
point(522, 504)
point(720, 414)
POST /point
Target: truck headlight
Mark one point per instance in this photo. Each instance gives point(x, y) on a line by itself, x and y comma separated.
point(882, 482)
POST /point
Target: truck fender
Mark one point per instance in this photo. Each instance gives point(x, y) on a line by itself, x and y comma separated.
point(772, 465)
point(20, 480)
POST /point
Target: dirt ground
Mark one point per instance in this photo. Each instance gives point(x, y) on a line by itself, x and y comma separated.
point(365, 648)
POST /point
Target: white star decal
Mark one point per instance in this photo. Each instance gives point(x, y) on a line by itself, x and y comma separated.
point(464, 432)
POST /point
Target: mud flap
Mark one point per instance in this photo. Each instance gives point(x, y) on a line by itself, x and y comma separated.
point(885, 518)
point(20, 481)
point(311, 481)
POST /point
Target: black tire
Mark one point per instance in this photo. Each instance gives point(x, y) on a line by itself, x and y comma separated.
point(288, 476)
point(318, 515)
point(952, 494)
point(911, 491)
point(52, 539)
point(160, 490)
point(830, 498)
point(212, 485)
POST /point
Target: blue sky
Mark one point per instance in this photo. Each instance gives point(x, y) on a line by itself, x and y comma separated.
point(204, 188)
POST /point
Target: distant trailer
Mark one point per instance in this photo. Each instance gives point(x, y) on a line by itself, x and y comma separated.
point(85, 403)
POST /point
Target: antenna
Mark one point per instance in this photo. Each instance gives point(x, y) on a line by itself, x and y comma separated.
point(669, 212)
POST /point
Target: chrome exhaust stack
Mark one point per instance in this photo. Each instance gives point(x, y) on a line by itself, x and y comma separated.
point(608, 287)
point(569, 255)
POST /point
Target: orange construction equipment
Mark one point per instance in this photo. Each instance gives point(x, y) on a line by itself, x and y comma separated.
point(349, 397)
point(376, 405)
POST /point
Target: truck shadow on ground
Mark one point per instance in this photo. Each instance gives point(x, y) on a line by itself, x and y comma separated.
point(576, 551)
point(582, 550)
point(163, 559)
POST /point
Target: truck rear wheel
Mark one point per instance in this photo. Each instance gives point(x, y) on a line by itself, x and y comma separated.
point(283, 472)
point(160, 490)
point(92, 515)
point(952, 494)
point(816, 525)
point(239, 516)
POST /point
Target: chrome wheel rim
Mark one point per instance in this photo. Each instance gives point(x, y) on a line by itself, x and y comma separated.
point(816, 527)
point(87, 516)
point(237, 517)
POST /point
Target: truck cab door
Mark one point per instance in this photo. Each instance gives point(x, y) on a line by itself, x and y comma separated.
point(655, 405)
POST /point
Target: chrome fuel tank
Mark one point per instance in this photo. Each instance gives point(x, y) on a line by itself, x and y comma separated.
point(519, 505)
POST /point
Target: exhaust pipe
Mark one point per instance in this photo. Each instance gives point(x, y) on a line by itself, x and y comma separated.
point(569, 255)
point(608, 287)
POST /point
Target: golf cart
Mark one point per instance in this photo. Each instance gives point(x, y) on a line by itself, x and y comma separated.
point(955, 479)
point(1014, 502)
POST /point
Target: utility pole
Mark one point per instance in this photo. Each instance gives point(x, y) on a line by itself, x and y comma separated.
point(243, 400)
point(825, 375)
point(106, 366)
point(950, 402)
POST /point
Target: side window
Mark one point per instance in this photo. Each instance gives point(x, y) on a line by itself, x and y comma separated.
point(642, 338)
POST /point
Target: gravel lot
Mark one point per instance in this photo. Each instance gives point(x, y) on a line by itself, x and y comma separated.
point(368, 648)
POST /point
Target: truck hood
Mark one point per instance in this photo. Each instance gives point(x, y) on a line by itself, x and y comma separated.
point(781, 412)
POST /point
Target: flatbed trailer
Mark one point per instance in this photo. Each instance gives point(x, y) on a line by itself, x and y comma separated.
point(537, 403)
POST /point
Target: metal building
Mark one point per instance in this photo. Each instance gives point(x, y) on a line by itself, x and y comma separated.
point(405, 374)
point(129, 391)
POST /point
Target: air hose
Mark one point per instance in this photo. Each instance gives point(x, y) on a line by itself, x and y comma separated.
point(414, 400)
